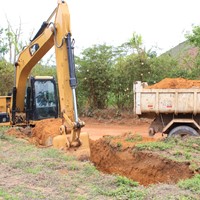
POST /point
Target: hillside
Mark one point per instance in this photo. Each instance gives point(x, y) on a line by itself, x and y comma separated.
point(184, 53)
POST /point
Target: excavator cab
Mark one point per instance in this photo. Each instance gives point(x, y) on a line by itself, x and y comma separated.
point(41, 98)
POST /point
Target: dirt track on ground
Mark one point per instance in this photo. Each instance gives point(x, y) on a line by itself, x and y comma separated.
point(99, 128)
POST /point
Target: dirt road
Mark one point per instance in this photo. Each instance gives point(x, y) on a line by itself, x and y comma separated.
point(99, 128)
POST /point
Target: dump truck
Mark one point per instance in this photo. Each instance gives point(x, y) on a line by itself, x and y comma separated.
point(174, 111)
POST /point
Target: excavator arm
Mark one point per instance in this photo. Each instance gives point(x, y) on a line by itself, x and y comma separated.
point(57, 34)
point(28, 58)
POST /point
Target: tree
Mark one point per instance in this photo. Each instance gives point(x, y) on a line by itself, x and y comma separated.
point(3, 44)
point(194, 37)
point(131, 66)
point(135, 43)
point(94, 75)
point(42, 70)
point(162, 67)
point(6, 77)
point(194, 61)
point(14, 43)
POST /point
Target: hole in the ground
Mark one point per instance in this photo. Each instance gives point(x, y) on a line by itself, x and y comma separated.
point(116, 155)
point(142, 166)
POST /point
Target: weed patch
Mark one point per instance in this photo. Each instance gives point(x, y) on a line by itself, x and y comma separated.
point(151, 146)
point(192, 184)
point(134, 138)
point(6, 196)
point(124, 192)
point(123, 181)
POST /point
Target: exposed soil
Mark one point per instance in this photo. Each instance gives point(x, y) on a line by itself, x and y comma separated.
point(41, 134)
point(119, 157)
point(45, 130)
point(112, 148)
point(175, 83)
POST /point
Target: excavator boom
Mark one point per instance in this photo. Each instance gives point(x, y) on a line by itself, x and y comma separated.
point(57, 34)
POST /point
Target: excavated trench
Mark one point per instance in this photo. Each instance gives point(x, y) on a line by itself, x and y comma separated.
point(116, 155)
point(144, 167)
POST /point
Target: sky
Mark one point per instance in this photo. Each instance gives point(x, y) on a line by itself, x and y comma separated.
point(161, 23)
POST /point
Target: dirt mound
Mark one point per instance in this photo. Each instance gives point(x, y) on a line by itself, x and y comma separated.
point(41, 134)
point(45, 130)
point(175, 83)
point(119, 157)
point(19, 132)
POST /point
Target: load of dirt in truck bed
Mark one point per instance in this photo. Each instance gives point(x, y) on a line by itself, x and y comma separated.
point(175, 83)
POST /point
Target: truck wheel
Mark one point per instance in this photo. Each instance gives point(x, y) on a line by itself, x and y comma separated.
point(183, 131)
point(151, 132)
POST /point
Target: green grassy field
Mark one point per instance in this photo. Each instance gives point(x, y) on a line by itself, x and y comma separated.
point(28, 172)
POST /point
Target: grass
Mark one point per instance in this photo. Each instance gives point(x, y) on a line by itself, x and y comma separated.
point(27, 172)
point(186, 148)
point(151, 146)
point(90, 169)
point(134, 138)
point(123, 181)
point(6, 196)
point(192, 184)
point(2, 131)
point(126, 189)
point(177, 149)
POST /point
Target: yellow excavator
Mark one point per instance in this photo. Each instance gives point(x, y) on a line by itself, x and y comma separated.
point(39, 99)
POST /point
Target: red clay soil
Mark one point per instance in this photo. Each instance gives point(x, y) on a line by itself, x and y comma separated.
point(98, 128)
point(45, 130)
point(142, 166)
point(176, 83)
point(115, 153)
point(41, 134)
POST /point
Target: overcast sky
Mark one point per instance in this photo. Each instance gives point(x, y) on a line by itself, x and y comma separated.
point(161, 23)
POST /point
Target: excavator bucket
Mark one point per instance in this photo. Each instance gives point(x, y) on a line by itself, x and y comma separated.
point(79, 146)
point(49, 133)
point(84, 149)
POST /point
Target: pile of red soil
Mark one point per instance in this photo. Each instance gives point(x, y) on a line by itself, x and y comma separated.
point(118, 156)
point(41, 134)
point(19, 132)
point(45, 130)
point(175, 83)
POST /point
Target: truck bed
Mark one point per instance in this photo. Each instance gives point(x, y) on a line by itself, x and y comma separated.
point(165, 101)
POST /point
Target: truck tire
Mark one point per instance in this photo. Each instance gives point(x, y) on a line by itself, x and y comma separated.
point(151, 132)
point(183, 131)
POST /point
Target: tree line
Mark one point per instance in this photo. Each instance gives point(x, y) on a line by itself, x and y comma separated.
point(106, 73)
